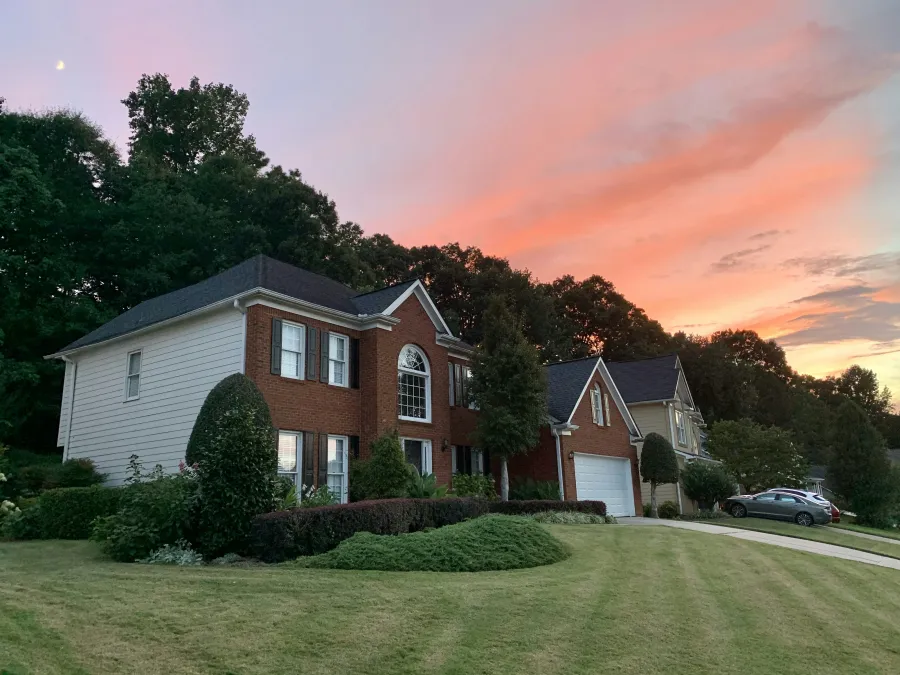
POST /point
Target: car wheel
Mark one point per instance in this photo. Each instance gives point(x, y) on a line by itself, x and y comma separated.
point(803, 519)
point(738, 511)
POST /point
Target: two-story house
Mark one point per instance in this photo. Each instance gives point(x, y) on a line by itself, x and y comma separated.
point(337, 368)
point(657, 394)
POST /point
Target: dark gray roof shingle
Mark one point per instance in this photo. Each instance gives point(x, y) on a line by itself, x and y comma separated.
point(565, 382)
point(257, 272)
point(646, 380)
point(378, 301)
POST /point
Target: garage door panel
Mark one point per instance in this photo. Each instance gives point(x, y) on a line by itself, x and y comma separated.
point(607, 479)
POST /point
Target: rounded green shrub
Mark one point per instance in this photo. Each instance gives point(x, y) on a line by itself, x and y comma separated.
point(480, 545)
point(669, 510)
point(387, 473)
point(707, 483)
point(233, 446)
point(68, 513)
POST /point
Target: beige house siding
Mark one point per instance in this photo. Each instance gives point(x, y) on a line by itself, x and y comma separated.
point(660, 418)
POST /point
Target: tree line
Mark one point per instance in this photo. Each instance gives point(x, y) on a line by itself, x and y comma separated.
point(86, 233)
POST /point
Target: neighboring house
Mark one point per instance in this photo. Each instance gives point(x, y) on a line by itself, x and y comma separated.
point(337, 368)
point(591, 443)
point(660, 401)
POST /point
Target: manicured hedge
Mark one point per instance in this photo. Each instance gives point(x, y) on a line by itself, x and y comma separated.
point(67, 513)
point(284, 535)
point(529, 507)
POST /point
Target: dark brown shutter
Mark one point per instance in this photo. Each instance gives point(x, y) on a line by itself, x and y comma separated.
point(465, 386)
point(323, 359)
point(323, 459)
point(354, 447)
point(460, 399)
point(312, 353)
point(354, 370)
point(276, 346)
point(309, 450)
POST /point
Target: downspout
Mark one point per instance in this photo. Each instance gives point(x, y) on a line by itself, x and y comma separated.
point(71, 406)
point(559, 469)
point(243, 311)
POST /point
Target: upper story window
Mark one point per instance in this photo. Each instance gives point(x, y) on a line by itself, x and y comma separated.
point(337, 359)
point(680, 429)
point(293, 341)
point(597, 405)
point(460, 378)
point(413, 385)
point(133, 376)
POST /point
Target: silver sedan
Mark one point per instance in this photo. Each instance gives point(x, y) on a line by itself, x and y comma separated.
point(779, 506)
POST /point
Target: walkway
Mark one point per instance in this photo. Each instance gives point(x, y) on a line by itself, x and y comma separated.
point(774, 539)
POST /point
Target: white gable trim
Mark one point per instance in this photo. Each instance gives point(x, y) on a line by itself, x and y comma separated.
point(427, 303)
point(682, 378)
point(600, 367)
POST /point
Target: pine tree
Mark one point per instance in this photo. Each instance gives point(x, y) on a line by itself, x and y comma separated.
point(509, 388)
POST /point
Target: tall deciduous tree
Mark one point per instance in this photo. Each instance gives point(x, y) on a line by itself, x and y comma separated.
point(759, 457)
point(659, 465)
point(509, 388)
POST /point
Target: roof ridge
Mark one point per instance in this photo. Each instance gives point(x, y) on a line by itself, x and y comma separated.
point(384, 288)
point(583, 358)
point(645, 358)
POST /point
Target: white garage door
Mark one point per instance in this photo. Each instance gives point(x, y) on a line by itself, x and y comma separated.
point(607, 479)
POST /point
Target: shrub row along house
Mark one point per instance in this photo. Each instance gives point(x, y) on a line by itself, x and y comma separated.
point(337, 369)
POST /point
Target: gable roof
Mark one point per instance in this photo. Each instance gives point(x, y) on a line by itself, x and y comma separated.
point(653, 379)
point(568, 380)
point(565, 382)
point(378, 301)
point(259, 273)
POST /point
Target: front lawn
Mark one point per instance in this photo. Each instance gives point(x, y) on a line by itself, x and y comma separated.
point(853, 527)
point(629, 600)
point(822, 533)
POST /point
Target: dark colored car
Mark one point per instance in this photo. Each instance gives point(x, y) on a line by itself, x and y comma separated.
point(779, 506)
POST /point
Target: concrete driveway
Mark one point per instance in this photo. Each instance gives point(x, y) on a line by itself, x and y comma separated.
point(774, 539)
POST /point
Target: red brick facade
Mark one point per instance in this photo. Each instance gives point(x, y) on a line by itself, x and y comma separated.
point(371, 410)
point(611, 441)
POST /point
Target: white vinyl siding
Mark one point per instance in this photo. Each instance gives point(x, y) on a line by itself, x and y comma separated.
point(180, 365)
point(64, 405)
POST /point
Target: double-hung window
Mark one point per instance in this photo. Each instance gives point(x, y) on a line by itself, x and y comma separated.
point(460, 379)
point(293, 340)
point(597, 412)
point(290, 454)
point(133, 376)
point(413, 385)
point(468, 460)
point(337, 467)
point(679, 428)
point(337, 359)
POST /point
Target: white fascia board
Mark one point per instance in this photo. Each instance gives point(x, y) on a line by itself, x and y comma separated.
point(617, 397)
point(430, 308)
point(454, 346)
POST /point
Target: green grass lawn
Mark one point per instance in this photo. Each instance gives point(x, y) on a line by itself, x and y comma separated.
point(629, 600)
point(852, 527)
point(823, 533)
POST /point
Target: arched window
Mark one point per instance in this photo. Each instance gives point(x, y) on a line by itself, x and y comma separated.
point(413, 385)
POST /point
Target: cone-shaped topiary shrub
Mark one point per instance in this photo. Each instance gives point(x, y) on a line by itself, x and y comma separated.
point(233, 445)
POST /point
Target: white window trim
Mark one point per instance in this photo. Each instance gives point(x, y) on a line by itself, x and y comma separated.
point(298, 472)
point(680, 428)
point(597, 407)
point(346, 361)
point(426, 452)
point(139, 373)
point(426, 375)
point(302, 352)
point(345, 485)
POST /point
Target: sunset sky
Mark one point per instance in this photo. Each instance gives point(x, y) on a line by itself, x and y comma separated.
point(725, 164)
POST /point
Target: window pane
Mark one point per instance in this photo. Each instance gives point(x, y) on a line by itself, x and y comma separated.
point(291, 338)
point(337, 347)
point(134, 363)
point(413, 451)
point(290, 363)
point(337, 372)
point(412, 360)
point(287, 452)
point(411, 396)
point(134, 383)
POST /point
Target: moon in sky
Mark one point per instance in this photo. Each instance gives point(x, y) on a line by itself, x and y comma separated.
point(60, 65)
